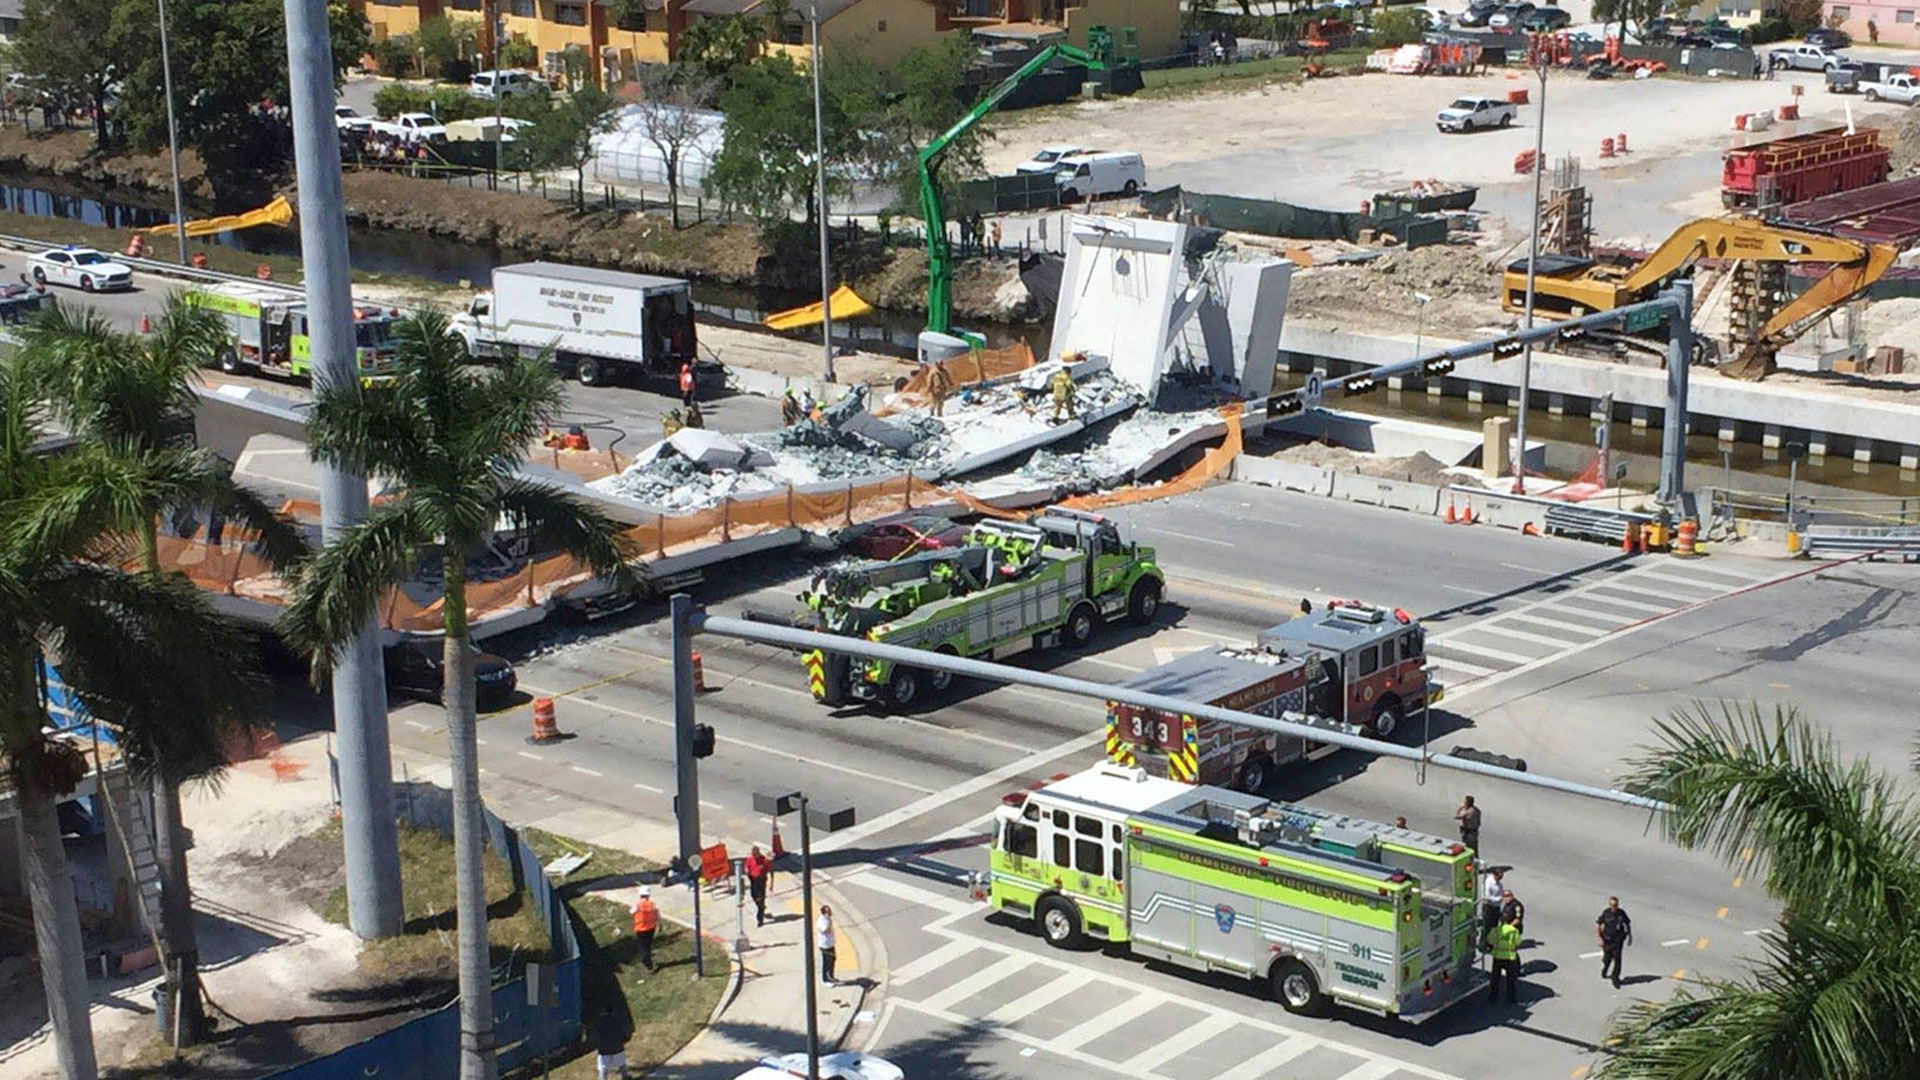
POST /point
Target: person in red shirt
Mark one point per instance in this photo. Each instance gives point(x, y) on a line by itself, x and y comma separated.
point(646, 921)
point(759, 869)
point(686, 382)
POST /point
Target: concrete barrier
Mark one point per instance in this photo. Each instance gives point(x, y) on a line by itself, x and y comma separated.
point(1492, 509)
point(1394, 494)
point(1284, 474)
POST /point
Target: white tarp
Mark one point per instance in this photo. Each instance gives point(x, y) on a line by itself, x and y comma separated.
point(626, 155)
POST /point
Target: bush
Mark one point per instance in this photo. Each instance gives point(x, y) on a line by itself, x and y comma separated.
point(458, 70)
point(394, 55)
point(1769, 30)
point(446, 102)
point(1395, 27)
point(518, 53)
point(391, 101)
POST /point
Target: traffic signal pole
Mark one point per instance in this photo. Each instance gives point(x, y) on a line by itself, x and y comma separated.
point(686, 773)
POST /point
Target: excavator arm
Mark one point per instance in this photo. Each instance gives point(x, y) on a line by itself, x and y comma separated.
point(933, 199)
point(1738, 238)
point(1844, 282)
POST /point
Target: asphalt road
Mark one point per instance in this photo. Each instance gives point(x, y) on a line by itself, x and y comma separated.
point(1559, 652)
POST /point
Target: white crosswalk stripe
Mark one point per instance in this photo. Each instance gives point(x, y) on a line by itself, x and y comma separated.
point(1506, 627)
point(1259, 1065)
point(1453, 645)
point(975, 983)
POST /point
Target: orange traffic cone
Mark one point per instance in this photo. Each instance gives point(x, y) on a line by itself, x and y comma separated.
point(1466, 517)
point(545, 728)
point(779, 848)
point(1626, 538)
point(1529, 529)
point(1449, 517)
point(146, 323)
point(699, 674)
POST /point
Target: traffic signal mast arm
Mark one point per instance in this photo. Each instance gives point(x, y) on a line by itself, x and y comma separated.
point(933, 199)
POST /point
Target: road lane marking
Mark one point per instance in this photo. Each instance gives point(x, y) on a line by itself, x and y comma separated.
point(1267, 1060)
point(978, 982)
point(649, 787)
point(1471, 671)
point(711, 805)
point(1701, 944)
point(1187, 536)
point(965, 789)
point(933, 961)
point(737, 741)
point(1181, 1042)
point(1456, 645)
point(1372, 1070)
point(417, 724)
point(1720, 914)
point(1588, 955)
point(1114, 664)
point(1528, 569)
point(1035, 1000)
point(1578, 634)
point(587, 771)
point(1636, 605)
point(912, 894)
point(1675, 941)
point(530, 755)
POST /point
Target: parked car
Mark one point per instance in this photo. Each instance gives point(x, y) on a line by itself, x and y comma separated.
point(81, 267)
point(1106, 172)
point(347, 118)
point(1727, 37)
point(1804, 58)
point(411, 127)
point(844, 1065)
point(505, 84)
point(1543, 19)
point(1509, 17)
point(1902, 88)
point(1047, 159)
point(910, 536)
point(414, 670)
point(1477, 13)
point(1828, 37)
point(1849, 75)
point(1475, 113)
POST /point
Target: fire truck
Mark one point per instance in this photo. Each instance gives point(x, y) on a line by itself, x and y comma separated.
point(1320, 908)
point(267, 328)
point(1347, 667)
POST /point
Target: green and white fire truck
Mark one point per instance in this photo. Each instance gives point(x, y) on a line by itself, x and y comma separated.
point(268, 331)
point(1320, 907)
point(1010, 587)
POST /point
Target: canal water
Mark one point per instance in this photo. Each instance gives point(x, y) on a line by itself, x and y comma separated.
point(1569, 439)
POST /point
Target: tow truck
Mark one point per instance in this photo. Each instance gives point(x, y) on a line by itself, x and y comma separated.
point(1009, 587)
point(1320, 908)
point(1348, 667)
point(267, 330)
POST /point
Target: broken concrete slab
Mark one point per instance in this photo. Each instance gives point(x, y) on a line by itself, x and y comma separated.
point(715, 450)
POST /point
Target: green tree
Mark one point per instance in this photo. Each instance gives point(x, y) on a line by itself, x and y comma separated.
point(563, 136)
point(60, 45)
point(453, 439)
point(133, 395)
point(668, 117)
point(518, 52)
point(888, 116)
point(1837, 994)
point(765, 163)
point(1395, 27)
point(1620, 12)
point(446, 47)
point(719, 47)
point(133, 646)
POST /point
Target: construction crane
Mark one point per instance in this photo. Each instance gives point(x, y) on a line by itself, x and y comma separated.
point(933, 198)
point(1760, 250)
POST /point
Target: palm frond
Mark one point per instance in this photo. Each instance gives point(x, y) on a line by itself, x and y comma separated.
point(334, 592)
point(1771, 791)
point(558, 519)
point(513, 406)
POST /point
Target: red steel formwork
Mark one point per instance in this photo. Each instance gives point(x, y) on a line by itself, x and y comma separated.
point(1886, 213)
point(1802, 167)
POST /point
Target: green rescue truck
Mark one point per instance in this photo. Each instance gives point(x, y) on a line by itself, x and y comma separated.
point(1012, 586)
point(267, 330)
point(1319, 907)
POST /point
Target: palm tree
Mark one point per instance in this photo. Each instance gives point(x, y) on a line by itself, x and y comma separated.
point(133, 647)
point(1837, 994)
point(451, 440)
point(132, 396)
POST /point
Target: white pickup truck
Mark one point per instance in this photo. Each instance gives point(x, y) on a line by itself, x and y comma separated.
point(1902, 88)
point(1473, 113)
point(1805, 58)
point(411, 127)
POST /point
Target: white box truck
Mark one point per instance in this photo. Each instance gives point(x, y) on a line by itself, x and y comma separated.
point(603, 326)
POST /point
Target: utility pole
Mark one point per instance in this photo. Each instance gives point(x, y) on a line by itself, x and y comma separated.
point(806, 932)
point(820, 198)
point(371, 839)
point(496, 28)
point(1533, 259)
point(1673, 440)
point(173, 137)
point(686, 770)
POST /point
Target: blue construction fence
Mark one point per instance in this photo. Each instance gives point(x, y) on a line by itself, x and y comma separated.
point(428, 1047)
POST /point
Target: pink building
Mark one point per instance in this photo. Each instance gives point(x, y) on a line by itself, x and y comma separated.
point(1894, 20)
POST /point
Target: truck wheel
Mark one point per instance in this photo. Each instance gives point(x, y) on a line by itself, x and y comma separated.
point(1080, 625)
point(1466, 127)
point(1132, 189)
point(1254, 775)
point(592, 372)
point(903, 687)
point(1068, 195)
point(1297, 989)
point(1386, 720)
point(1143, 603)
point(1507, 120)
point(1873, 95)
point(1779, 63)
point(939, 682)
point(1059, 922)
point(230, 361)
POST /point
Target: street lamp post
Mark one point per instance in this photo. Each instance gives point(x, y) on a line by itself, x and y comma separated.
point(820, 200)
point(497, 27)
point(1420, 323)
point(832, 818)
point(1795, 451)
point(1533, 259)
point(173, 137)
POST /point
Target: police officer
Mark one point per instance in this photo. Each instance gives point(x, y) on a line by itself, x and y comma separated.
point(1512, 910)
point(1614, 931)
point(1504, 944)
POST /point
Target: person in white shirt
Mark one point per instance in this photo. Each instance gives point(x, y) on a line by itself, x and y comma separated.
point(823, 933)
point(1491, 891)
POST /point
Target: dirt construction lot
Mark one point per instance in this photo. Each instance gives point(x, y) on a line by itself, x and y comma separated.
point(1330, 143)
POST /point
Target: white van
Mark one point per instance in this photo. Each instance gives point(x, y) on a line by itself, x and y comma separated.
point(1048, 159)
point(1107, 172)
point(506, 84)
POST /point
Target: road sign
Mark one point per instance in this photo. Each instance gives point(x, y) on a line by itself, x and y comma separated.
point(1312, 392)
point(1620, 472)
point(714, 863)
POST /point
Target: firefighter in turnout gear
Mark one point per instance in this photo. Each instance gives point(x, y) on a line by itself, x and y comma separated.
point(940, 386)
point(1063, 395)
point(790, 413)
point(671, 423)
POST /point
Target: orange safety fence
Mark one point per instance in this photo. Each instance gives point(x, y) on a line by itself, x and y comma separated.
point(221, 567)
point(1196, 476)
point(976, 366)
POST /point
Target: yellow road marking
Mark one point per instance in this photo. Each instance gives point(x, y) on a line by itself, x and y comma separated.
point(1680, 974)
point(1701, 944)
point(1579, 1071)
point(1720, 914)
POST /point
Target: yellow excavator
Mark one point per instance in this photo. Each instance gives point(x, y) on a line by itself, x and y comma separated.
point(1569, 287)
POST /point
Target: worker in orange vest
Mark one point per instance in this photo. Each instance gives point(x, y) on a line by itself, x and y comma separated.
point(646, 920)
point(686, 382)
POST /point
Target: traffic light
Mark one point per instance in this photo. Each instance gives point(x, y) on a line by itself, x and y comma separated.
point(1507, 348)
point(1439, 365)
point(1283, 405)
point(702, 740)
point(1364, 384)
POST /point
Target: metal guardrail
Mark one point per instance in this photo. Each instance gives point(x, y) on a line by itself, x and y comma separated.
point(1870, 542)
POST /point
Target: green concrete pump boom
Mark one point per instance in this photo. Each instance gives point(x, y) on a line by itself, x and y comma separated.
point(932, 199)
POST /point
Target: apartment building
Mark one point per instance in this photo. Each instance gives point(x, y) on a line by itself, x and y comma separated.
point(1890, 22)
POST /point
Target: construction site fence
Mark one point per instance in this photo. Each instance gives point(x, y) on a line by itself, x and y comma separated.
point(1693, 60)
point(1728, 504)
point(1266, 217)
point(428, 1047)
point(1009, 194)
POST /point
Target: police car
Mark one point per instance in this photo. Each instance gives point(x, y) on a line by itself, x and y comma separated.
point(83, 267)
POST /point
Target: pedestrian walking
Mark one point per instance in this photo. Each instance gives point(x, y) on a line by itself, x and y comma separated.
point(1614, 931)
point(646, 922)
point(759, 868)
point(1504, 944)
point(686, 382)
point(1492, 890)
point(609, 1044)
point(1468, 815)
point(823, 940)
point(1512, 910)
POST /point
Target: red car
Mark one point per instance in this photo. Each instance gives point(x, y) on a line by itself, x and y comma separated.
point(908, 536)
